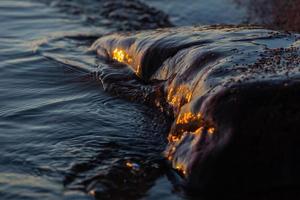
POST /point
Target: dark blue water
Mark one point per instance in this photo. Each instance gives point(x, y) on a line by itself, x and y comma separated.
point(61, 135)
point(55, 119)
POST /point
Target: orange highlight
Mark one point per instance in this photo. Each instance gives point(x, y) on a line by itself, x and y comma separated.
point(121, 56)
point(179, 96)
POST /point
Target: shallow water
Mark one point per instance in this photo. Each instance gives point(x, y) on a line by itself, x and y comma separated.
point(61, 135)
point(55, 119)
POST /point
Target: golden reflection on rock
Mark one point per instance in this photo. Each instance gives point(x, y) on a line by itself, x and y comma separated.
point(121, 56)
point(187, 124)
point(173, 138)
point(201, 130)
point(188, 117)
point(138, 71)
point(181, 169)
point(211, 130)
point(177, 97)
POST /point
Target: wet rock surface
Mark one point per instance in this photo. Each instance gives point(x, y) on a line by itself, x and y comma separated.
point(234, 93)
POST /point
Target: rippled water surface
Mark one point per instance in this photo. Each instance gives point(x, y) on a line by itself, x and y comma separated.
point(58, 127)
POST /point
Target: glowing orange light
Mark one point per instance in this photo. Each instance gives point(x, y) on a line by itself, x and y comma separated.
point(173, 138)
point(179, 96)
point(186, 124)
point(198, 131)
point(181, 168)
point(133, 166)
point(138, 70)
point(185, 118)
point(129, 164)
point(211, 130)
point(121, 56)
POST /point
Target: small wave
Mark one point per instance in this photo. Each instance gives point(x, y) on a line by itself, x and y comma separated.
point(233, 94)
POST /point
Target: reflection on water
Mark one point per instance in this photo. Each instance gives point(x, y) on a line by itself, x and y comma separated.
point(61, 135)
